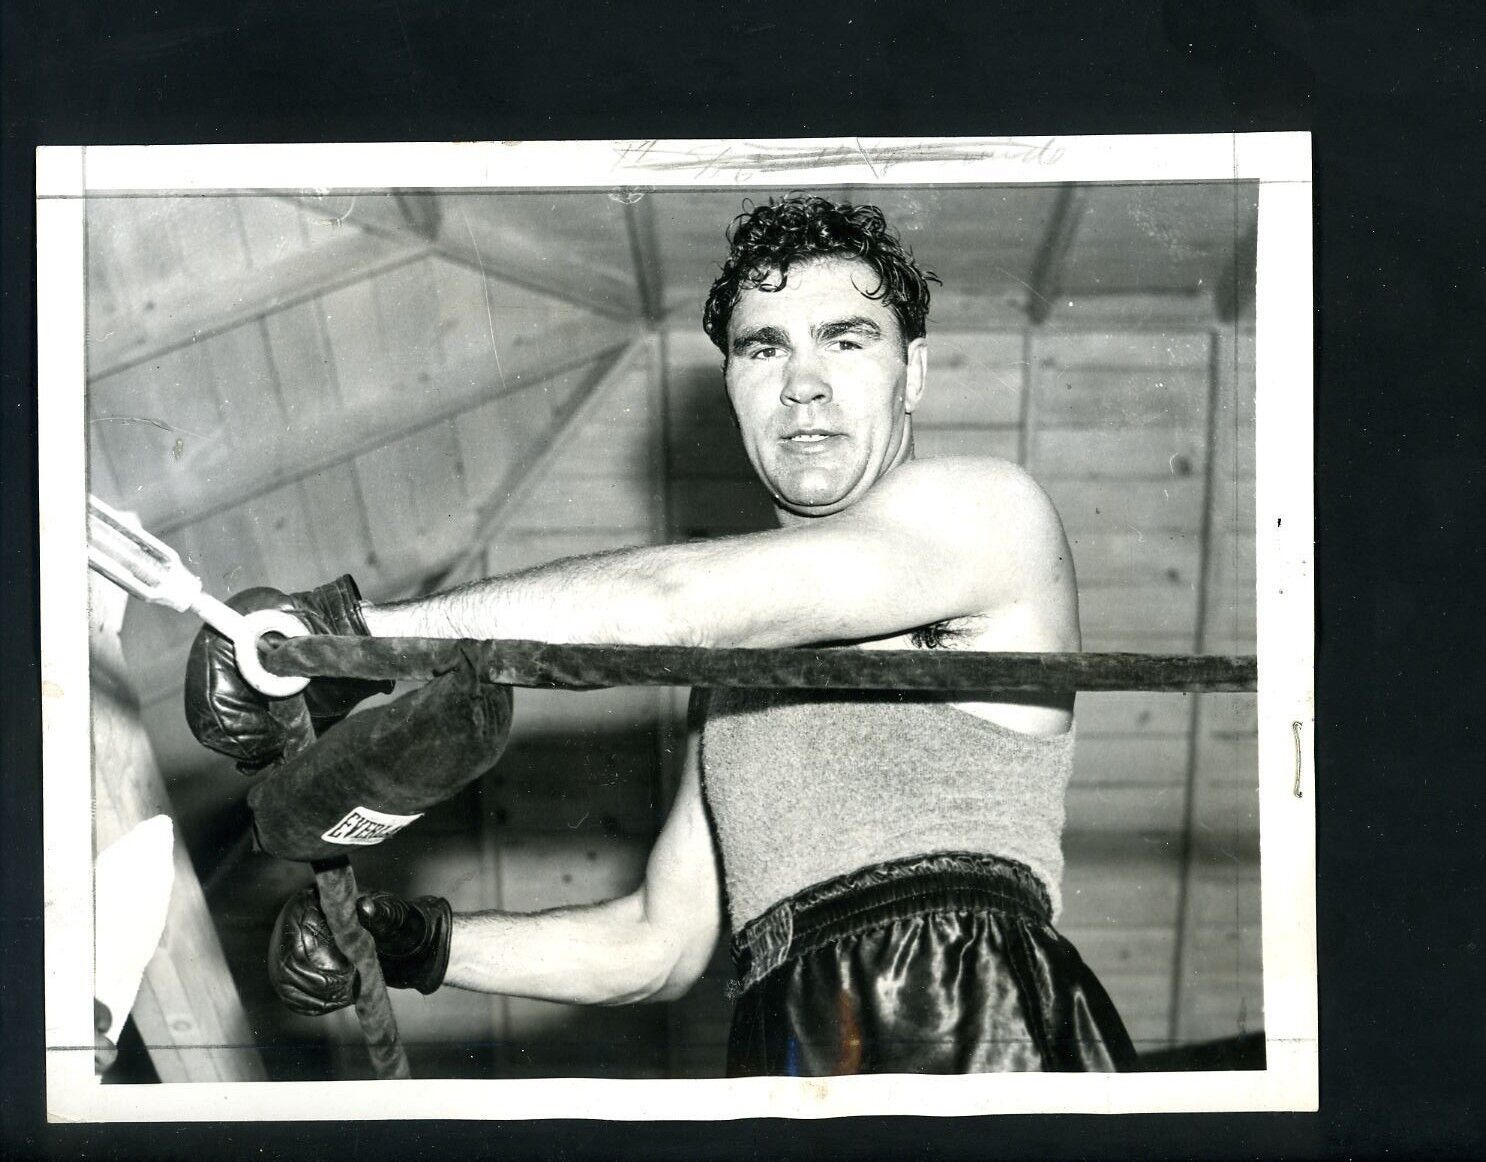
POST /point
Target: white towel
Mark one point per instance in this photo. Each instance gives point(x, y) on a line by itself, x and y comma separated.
point(132, 881)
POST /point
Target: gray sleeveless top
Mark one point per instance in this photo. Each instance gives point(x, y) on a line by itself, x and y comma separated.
point(804, 786)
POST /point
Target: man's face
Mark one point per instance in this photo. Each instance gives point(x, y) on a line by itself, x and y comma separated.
point(820, 385)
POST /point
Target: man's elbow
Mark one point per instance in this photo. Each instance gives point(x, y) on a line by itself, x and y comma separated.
point(684, 973)
point(660, 963)
point(672, 990)
point(658, 976)
point(679, 964)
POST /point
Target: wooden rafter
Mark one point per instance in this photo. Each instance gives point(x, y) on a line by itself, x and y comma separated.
point(506, 500)
point(274, 458)
point(507, 255)
point(1234, 289)
point(1046, 278)
point(639, 224)
point(423, 213)
point(192, 313)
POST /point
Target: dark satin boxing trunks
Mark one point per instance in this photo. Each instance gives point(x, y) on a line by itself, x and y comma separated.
point(937, 964)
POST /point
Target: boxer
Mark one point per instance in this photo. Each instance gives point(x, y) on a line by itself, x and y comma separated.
point(888, 866)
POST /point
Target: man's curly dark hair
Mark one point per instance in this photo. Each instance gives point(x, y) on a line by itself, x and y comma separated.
point(765, 241)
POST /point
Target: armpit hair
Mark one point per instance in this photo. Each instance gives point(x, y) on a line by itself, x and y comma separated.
point(935, 635)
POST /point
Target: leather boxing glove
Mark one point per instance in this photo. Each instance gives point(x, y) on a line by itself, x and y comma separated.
point(232, 718)
point(308, 972)
point(412, 938)
point(312, 976)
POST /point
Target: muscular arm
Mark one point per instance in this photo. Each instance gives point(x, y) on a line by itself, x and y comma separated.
point(652, 944)
point(934, 539)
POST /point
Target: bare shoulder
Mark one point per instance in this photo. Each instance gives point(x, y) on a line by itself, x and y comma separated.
point(987, 520)
point(974, 495)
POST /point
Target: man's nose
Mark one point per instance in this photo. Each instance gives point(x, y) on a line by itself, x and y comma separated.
point(804, 382)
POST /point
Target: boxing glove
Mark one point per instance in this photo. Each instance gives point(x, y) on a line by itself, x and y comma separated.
point(312, 976)
point(229, 716)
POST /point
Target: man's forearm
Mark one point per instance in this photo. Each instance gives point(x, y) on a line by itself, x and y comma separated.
point(930, 543)
point(608, 598)
point(603, 954)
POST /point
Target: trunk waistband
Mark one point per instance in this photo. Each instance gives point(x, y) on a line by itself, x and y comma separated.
point(880, 894)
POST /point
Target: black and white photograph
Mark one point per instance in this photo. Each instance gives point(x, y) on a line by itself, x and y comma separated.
point(679, 612)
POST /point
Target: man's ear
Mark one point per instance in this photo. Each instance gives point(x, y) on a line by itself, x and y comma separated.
point(918, 374)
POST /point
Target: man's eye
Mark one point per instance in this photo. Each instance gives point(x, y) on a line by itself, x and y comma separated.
point(846, 345)
point(763, 352)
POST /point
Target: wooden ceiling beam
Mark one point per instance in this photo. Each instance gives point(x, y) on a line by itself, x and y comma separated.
point(639, 225)
point(1046, 278)
point(506, 500)
point(188, 314)
point(424, 214)
point(509, 256)
point(1233, 292)
point(272, 457)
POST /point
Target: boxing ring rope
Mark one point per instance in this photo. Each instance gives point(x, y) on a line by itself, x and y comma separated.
point(587, 667)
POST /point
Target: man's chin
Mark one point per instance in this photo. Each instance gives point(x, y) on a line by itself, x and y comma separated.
point(818, 492)
point(789, 508)
point(812, 501)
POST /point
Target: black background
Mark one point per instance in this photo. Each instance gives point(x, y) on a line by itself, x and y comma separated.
point(1395, 98)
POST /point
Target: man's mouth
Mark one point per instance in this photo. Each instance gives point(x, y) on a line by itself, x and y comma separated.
point(807, 436)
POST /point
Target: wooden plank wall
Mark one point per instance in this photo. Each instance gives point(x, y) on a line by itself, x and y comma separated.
point(1137, 422)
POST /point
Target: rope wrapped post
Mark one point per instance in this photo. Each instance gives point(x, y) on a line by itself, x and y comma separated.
point(336, 883)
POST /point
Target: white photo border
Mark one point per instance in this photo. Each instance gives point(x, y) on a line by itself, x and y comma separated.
point(1281, 165)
